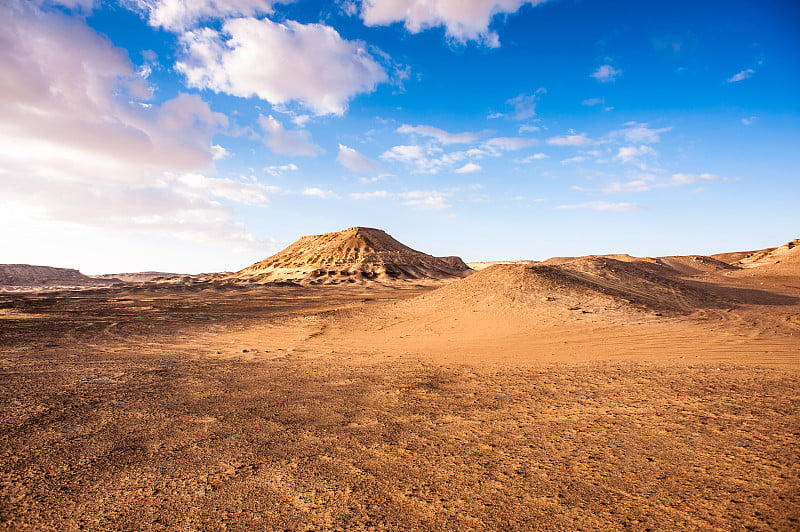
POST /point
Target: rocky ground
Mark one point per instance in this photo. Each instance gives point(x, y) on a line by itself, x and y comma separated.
point(257, 408)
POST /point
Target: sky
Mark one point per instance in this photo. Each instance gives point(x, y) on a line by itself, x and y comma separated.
point(204, 135)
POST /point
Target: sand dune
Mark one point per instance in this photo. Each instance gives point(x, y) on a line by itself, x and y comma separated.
point(357, 254)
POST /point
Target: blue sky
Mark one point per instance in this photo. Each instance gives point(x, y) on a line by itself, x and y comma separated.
point(204, 135)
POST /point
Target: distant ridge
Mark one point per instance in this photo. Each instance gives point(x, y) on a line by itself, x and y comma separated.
point(138, 277)
point(29, 276)
point(355, 254)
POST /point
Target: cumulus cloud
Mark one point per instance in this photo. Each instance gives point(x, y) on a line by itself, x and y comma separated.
point(355, 161)
point(282, 63)
point(405, 153)
point(176, 15)
point(570, 140)
point(438, 134)
point(605, 73)
point(469, 168)
point(604, 206)
point(282, 140)
point(464, 20)
point(741, 76)
point(74, 149)
point(218, 152)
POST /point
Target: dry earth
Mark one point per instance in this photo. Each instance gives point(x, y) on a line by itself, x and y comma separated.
point(589, 393)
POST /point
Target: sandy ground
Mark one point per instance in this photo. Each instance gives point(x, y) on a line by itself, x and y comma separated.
point(397, 408)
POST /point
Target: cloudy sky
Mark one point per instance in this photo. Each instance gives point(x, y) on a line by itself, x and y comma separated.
point(204, 135)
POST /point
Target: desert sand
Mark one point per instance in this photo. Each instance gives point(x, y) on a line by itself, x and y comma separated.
point(352, 383)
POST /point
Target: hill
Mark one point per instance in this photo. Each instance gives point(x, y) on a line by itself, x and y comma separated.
point(357, 254)
point(19, 276)
point(137, 277)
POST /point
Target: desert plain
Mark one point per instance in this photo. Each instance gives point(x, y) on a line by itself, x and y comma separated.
point(351, 383)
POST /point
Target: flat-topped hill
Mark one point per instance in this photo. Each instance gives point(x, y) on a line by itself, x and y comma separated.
point(29, 276)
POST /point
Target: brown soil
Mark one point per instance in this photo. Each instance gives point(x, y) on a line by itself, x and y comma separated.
point(589, 393)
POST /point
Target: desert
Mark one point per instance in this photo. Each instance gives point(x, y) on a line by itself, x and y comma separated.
point(399, 265)
point(600, 392)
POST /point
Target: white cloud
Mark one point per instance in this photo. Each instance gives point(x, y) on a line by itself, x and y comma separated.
point(510, 143)
point(370, 195)
point(197, 186)
point(431, 158)
point(749, 121)
point(319, 193)
point(219, 153)
point(634, 155)
point(282, 140)
point(422, 159)
point(82, 6)
point(650, 182)
point(464, 20)
point(176, 15)
point(279, 170)
point(740, 76)
point(310, 64)
point(637, 133)
point(593, 101)
point(528, 129)
point(425, 199)
point(576, 159)
point(420, 199)
point(604, 206)
point(469, 168)
point(76, 148)
point(570, 140)
point(605, 73)
point(405, 153)
point(524, 105)
point(531, 158)
point(440, 135)
point(688, 179)
point(355, 161)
